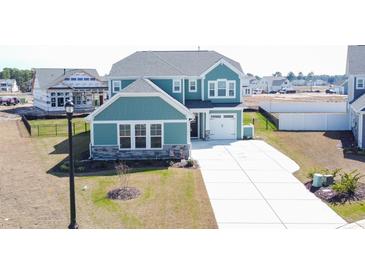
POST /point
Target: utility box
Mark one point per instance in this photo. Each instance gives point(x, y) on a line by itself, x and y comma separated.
point(248, 131)
point(317, 180)
point(328, 180)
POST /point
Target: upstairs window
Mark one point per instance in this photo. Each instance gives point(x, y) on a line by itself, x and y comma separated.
point(360, 83)
point(192, 86)
point(116, 86)
point(67, 79)
point(231, 88)
point(211, 89)
point(73, 79)
point(92, 79)
point(222, 88)
point(176, 86)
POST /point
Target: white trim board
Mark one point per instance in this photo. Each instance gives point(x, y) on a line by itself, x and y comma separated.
point(160, 93)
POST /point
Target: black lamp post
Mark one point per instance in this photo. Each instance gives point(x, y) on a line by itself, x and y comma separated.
point(69, 106)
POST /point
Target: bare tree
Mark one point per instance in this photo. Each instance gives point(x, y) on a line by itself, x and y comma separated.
point(123, 172)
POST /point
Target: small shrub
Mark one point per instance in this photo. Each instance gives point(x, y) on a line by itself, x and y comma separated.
point(81, 169)
point(348, 183)
point(190, 163)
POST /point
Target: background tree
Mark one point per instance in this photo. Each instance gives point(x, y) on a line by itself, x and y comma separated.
point(277, 74)
point(22, 77)
point(300, 76)
point(291, 76)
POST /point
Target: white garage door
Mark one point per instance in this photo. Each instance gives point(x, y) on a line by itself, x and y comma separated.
point(222, 126)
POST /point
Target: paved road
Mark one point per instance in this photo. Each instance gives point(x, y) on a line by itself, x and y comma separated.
point(29, 198)
point(251, 185)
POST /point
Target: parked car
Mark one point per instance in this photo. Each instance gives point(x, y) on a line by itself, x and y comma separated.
point(8, 101)
point(330, 91)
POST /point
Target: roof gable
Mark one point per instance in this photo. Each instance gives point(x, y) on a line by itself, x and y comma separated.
point(168, 63)
point(355, 60)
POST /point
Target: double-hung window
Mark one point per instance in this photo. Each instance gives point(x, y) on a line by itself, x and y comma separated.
point(140, 135)
point(125, 136)
point(360, 83)
point(192, 86)
point(212, 89)
point(116, 86)
point(222, 88)
point(231, 88)
point(156, 135)
point(176, 86)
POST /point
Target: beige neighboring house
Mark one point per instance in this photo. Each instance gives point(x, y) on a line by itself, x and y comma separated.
point(8, 85)
point(53, 87)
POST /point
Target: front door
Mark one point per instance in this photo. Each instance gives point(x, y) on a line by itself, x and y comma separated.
point(194, 127)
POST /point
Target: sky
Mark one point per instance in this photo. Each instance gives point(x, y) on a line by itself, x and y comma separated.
point(258, 60)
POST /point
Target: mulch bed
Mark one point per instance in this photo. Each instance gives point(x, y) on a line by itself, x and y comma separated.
point(124, 193)
point(329, 195)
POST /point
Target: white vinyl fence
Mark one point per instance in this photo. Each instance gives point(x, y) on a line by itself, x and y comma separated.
point(314, 121)
point(304, 107)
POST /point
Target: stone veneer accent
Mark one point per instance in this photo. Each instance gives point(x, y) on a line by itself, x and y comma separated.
point(175, 152)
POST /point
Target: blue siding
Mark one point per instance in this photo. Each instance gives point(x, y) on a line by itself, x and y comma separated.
point(357, 92)
point(239, 114)
point(193, 95)
point(166, 85)
point(139, 108)
point(125, 83)
point(175, 133)
point(222, 72)
point(105, 134)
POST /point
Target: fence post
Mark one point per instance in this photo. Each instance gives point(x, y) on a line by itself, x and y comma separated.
point(267, 124)
point(253, 121)
point(56, 128)
point(85, 127)
point(38, 129)
point(73, 124)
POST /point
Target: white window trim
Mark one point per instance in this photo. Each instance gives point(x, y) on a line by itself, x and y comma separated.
point(148, 134)
point(216, 89)
point(173, 85)
point(357, 83)
point(196, 85)
point(114, 82)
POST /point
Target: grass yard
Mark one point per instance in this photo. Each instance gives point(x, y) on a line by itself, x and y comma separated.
point(314, 150)
point(170, 197)
point(55, 127)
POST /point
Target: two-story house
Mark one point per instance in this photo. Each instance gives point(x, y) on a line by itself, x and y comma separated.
point(161, 100)
point(355, 71)
point(53, 87)
point(8, 85)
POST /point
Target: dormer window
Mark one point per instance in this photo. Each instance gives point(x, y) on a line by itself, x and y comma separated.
point(116, 86)
point(176, 86)
point(192, 86)
point(360, 83)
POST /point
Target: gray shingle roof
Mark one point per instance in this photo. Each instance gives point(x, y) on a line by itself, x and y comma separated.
point(209, 104)
point(48, 77)
point(355, 60)
point(278, 82)
point(168, 63)
point(141, 85)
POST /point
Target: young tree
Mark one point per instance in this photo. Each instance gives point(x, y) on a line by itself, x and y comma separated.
point(300, 76)
point(123, 173)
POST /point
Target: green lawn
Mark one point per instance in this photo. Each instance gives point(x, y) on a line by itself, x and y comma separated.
point(170, 197)
point(312, 150)
point(55, 127)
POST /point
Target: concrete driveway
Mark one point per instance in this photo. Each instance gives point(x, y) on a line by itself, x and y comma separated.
point(251, 185)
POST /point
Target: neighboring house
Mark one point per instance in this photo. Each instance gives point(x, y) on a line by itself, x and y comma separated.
point(248, 85)
point(355, 71)
point(52, 87)
point(273, 83)
point(8, 85)
point(300, 82)
point(161, 100)
point(341, 88)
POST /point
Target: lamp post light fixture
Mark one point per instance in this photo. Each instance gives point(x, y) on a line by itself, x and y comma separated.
point(69, 107)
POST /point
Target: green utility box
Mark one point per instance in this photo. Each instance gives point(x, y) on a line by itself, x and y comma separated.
point(318, 180)
point(248, 131)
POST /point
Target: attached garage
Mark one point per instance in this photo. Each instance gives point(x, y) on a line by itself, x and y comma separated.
point(223, 126)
